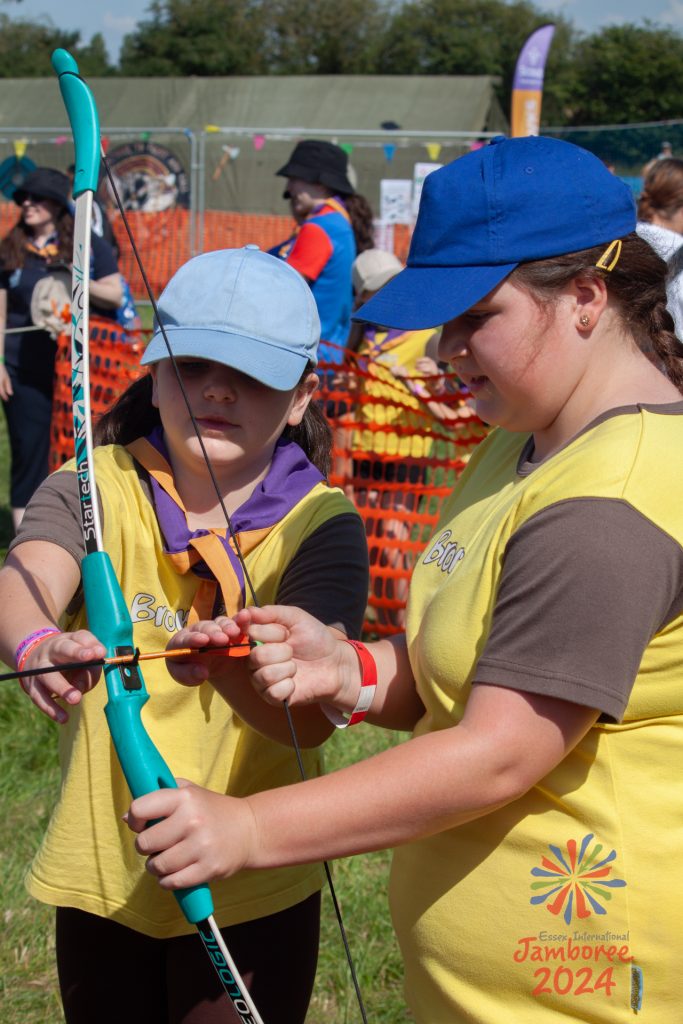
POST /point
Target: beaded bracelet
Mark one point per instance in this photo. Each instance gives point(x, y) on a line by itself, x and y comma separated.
point(31, 641)
point(367, 689)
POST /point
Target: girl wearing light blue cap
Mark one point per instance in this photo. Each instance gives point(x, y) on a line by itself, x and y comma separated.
point(244, 329)
point(537, 812)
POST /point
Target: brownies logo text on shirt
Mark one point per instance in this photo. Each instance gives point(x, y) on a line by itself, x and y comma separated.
point(445, 553)
point(144, 608)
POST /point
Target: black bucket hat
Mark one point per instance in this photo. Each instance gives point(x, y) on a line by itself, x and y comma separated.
point(46, 183)
point(320, 163)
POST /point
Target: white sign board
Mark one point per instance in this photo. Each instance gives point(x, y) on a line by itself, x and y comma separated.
point(420, 172)
point(395, 200)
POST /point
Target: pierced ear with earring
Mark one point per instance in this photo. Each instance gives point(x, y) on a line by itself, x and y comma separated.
point(585, 320)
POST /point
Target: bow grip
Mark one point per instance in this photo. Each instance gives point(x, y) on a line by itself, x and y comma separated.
point(84, 121)
point(143, 766)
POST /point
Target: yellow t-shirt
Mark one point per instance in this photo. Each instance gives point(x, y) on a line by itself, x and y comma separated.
point(565, 904)
point(396, 423)
point(87, 859)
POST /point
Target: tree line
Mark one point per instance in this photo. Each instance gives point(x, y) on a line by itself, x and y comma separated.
point(621, 74)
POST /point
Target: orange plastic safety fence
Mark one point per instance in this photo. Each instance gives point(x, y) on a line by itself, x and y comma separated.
point(114, 364)
point(9, 215)
point(399, 445)
point(163, 240)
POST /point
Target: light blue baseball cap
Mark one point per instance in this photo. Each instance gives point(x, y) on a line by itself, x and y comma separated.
point(242, 308)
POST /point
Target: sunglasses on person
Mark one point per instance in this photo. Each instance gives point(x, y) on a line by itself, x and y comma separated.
point(31, 197)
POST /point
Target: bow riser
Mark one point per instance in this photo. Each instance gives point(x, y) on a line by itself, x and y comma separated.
point(143, 766)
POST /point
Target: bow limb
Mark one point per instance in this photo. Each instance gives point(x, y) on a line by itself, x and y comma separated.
point(108, 617)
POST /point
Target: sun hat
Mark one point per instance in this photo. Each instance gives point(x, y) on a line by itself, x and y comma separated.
point(372, 269)
point(244, 309)
point(320, 163)
point(511, 202)
point(46, 183)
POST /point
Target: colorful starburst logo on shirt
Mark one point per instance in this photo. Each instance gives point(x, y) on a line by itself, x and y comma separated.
point(576, 883)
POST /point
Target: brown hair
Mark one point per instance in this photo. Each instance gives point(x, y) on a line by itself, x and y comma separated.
point(662, 190)
point(361, 217)
point(636, 285)
point(13, 245)
point(133, 416)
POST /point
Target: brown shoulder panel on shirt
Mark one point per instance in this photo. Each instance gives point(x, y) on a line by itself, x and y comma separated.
point(53, 514)
point(585, 585)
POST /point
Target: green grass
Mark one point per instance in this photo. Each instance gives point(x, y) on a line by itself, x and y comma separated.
point(29, 785)
point(361, 886)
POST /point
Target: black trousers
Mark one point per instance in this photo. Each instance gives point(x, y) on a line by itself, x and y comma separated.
point(29, 415)
point(109, 973)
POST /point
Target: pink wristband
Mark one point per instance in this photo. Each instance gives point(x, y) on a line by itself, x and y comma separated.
point(368, 687)
point(31, 641)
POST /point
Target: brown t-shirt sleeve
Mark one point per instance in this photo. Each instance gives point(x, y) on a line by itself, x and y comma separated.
point(53, 514)
point(585, 586)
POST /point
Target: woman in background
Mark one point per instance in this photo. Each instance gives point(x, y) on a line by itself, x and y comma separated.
point(660, 223)
point(334, 224)
point(38, 245)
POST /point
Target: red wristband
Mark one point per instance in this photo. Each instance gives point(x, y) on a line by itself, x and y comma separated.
point(367, 689)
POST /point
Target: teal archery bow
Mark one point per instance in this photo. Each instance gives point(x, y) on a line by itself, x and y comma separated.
point(143, 766)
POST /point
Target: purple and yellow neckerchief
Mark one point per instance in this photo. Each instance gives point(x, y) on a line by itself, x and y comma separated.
point(210, 554)
point(335, 205)
point(380, 341)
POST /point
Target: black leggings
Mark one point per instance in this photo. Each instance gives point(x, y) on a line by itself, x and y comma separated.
point(111, 974)
point(29, 414)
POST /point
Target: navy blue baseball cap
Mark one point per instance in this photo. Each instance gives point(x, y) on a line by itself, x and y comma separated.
point(511, 202)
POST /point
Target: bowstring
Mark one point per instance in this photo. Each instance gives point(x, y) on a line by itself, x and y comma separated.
point(233, 536)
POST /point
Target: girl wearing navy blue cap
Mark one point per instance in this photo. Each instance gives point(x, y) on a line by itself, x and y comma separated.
point(537, 810)
point(244, 329)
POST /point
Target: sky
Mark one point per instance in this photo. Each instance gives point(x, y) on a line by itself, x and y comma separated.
point(114, 18)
